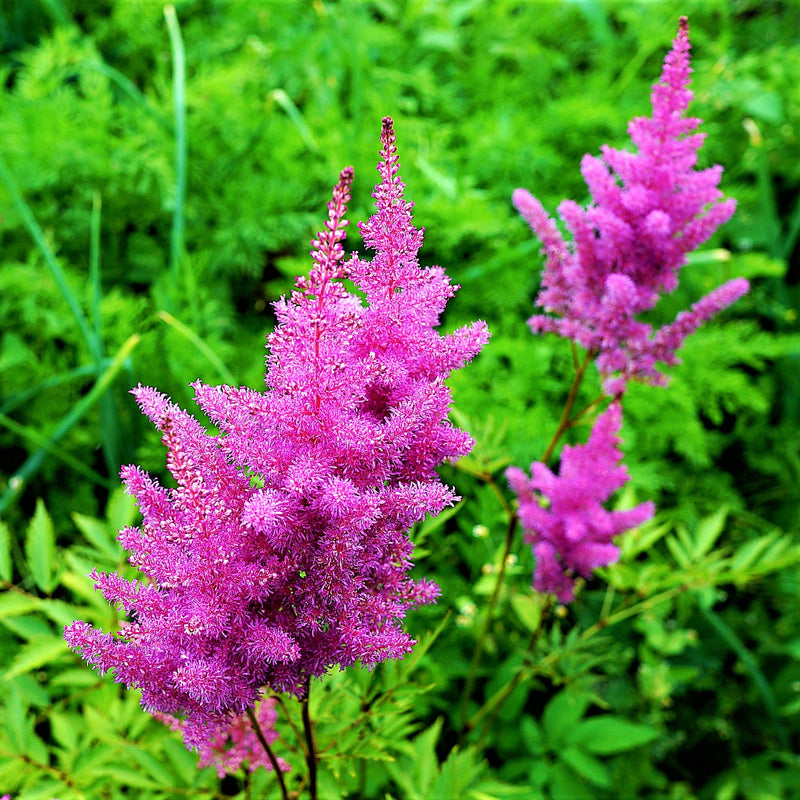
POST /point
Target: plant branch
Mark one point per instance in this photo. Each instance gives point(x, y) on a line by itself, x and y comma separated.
point(270, 755)
point(311, 755)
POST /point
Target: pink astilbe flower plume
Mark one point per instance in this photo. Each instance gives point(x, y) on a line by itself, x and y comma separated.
point(572, 534)
point(648, 210)
point(283, 549)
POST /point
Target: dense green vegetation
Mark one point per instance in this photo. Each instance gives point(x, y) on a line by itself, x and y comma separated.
point(119, 266)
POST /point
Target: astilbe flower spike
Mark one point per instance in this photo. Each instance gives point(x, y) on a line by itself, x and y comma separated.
point(648, 210)
point(283, 550)
point(573, 534)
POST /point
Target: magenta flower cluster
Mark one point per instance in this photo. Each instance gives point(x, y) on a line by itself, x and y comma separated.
point(648, 210)
point(232, 743)
point(283, 550)
point(573, 534)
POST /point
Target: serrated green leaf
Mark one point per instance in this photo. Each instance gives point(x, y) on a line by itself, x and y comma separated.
point(30, 627)
point(99, 535)
point(611, 734)
point(679, 553)
point(563, 713)
point(40, 548)
point(45, 790)
point(35, 654)
point(65, 728)
point(183, 762)
point(121, 511)
point(565, 785)
point(17, 722)
point(586, 765)
point(14, 604)
point(707, 532)
point(642, 538)
point(528, 607)
point(749, 553)
point(126, 776)
point(77, 678)
point(6, 567)
point(152, 766)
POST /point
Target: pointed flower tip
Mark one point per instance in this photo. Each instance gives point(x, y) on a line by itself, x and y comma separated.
point(388, 137)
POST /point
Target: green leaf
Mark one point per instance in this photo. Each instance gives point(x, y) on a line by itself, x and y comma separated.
point(65, 728)
point(586, 766)
point(611, 734)
point(35, 654)
point(97, 533)
point(6, 567)
point(121, 511)
point(708, 531)
point(40, 548)
point(14, 604)
point(562, 713)
point(528, 607)
point(18, 724)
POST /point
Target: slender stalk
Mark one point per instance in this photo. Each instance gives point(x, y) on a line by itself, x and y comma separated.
point(479, 644)
point(494, 703)
point(517, 679)
point(179, 100)
point(270, 755)
point(564, 424)
point(311, 755)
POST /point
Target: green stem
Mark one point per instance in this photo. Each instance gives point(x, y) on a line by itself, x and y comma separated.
point(270, 755)
point(564, 424)
point(481, 641)
point(517, 679)
point(492, 705)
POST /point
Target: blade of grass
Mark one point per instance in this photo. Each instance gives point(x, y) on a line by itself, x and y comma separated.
point(24, 210)
point(26, 432)
point(129, 88)
point(293, 112)
point(18, 480)
point(17, 400)
point(210, 355)
point(109, 420)
point(179, 100)
point(751, 665)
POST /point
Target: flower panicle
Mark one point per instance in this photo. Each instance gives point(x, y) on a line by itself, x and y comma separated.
point(283, 548)
point(571, 532)
point(649, 208)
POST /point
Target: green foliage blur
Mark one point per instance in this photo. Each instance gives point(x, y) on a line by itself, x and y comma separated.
point(676, 674)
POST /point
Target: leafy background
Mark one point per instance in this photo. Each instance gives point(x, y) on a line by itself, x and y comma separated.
point(678, 674)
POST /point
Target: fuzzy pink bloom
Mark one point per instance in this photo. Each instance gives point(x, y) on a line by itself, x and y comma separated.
point(573, 534)
point(648, 210)
point(283, 550)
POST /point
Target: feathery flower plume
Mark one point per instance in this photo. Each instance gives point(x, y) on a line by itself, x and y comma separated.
point(648, 210)
point(283, 550)
point(572, 534)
